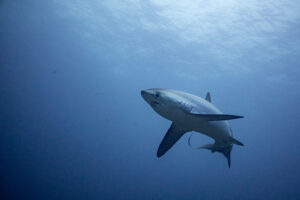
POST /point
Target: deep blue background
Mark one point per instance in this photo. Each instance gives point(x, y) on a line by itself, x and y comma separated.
point(74, 126)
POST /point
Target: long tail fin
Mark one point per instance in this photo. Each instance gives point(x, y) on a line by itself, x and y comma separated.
point(228, 159)
point(225, 150)
point(207, 146)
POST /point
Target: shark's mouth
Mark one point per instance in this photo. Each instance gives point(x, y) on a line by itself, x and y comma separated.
point(154, 103)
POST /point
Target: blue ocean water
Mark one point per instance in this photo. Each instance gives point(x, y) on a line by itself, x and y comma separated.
point(74, 126)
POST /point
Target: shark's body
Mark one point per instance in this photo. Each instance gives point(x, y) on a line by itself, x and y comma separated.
point(191, 113)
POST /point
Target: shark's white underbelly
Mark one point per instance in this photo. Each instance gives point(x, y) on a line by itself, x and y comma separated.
point(218, 130)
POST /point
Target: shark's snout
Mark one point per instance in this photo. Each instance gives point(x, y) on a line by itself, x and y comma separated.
point(149, 97)
point(143, 92)
point(146, 95)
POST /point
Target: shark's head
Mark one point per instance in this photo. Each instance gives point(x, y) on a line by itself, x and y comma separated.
point(151, 96)
point(165, 102)
point(158, 98)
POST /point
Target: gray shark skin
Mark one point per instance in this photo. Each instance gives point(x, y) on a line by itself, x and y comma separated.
point(191, 113)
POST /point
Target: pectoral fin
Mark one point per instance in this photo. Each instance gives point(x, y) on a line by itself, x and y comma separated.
point(215, 117)
point(172, 136)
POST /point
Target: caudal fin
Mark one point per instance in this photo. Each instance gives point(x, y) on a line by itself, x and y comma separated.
point(228, 160)
point(225, 150)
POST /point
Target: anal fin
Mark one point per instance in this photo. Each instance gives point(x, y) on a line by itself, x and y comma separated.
point(235, 141)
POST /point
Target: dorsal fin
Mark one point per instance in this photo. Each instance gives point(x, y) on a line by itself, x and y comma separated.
point(208, 98)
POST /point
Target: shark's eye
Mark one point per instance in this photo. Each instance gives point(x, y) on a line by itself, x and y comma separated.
point(157, 94)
